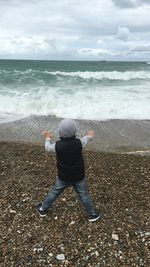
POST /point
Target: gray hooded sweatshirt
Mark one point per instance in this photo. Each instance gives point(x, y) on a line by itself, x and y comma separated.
point(67, 129)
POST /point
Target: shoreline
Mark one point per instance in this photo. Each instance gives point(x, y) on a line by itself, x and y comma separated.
point(121, 136)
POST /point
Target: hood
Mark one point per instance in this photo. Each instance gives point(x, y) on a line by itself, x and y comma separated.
point(67, 128)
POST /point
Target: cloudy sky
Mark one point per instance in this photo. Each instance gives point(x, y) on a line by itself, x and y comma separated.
point(75, 29)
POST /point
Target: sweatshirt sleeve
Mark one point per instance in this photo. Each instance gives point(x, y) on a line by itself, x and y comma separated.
point(85, 140)
point(49, 146)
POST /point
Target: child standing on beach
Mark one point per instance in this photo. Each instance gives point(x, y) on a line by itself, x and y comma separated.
point(70, 167)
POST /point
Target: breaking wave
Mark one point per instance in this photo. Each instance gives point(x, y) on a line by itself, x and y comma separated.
point(111, 75)
point(97, 75)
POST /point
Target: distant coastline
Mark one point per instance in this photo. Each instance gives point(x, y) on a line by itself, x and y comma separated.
point(72, 60)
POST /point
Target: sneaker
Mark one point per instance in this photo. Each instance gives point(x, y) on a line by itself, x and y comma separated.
point(94, 217)
point(42, 213)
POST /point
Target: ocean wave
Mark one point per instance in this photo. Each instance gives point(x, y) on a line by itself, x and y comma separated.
point(86, 75)
point(111, 75)
point(80, 104)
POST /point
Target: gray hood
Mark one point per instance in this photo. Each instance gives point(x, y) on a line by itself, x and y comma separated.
point(67, 128)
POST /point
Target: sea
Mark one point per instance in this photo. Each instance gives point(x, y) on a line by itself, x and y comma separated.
point(84, 90)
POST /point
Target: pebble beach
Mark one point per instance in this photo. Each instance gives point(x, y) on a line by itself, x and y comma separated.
point(119, 185)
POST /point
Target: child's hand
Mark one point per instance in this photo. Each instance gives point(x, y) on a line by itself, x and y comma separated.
point(91, 133)
point(47, 134)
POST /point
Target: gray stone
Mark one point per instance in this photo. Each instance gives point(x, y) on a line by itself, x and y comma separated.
point(60, 257)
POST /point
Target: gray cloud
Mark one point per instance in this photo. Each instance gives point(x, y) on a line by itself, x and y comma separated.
point(123, 33)
point(141, 48)
point(130, 3)
point(126, 3)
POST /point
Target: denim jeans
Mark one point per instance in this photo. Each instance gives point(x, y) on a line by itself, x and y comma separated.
point(80, 188)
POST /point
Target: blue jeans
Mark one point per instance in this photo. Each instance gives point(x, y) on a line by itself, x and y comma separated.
point(80, 188)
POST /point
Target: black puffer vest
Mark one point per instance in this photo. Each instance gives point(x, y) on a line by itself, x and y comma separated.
point(70, 163)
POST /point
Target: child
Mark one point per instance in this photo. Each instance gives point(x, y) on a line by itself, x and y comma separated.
point(70, 167)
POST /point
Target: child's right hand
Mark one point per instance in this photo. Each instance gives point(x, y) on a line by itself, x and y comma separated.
point(91, 133)
point(47, 134)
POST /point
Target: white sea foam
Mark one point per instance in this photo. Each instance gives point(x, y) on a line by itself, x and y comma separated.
point(99, 75)
point(80, 103)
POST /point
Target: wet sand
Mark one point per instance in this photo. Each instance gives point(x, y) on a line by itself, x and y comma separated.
point(111, 135)
point(119, 185)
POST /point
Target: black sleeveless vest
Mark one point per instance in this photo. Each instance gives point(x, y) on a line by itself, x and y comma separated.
point(70, 163)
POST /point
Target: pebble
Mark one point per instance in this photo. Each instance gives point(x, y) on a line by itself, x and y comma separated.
point(37, 248)
point(12, 211)
point(96, 253)
point(25, 199)
point(66, 263)
point(61, 247)
point(115, 237)
point(141, 262)
point(147, 234)
point(60, 257)
point(73, 222)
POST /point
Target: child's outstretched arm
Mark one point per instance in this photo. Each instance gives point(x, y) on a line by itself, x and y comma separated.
point(49, 146)
point(87, 138)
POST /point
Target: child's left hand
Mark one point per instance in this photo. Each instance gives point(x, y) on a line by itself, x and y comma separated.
point(91, 133)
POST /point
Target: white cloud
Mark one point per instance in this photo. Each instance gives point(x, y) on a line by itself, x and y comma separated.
point(23, 44)
point(100, 41)
point(144, 48)
point(123, 33)
point(95, 52)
